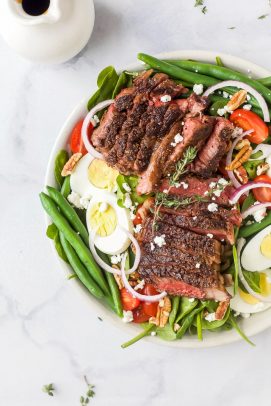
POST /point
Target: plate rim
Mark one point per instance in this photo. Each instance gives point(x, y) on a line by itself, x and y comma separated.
point(130, 329)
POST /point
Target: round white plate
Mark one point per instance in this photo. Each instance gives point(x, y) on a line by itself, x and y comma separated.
point(251, 326)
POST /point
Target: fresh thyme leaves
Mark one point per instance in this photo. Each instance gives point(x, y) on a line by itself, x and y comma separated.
point(49, 389)
point(231, 28)
point(263, 16)
point(100, 318)
point(165, 200)
point(181, 166)
point(89, 394)
point(200, 3)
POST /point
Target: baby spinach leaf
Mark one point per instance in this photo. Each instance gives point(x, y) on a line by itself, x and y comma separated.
point(132, 182)
point(186, 306)
point(253, 279)
point(187, 321)
point(249, 201)
point(53, 233)
point(251, 167)
point(166, 333)
point(60, 160)
point(199, 325)
point(121, 83)
point(236, 268)
point(220, 104)
point(174, 310)
point(212, 325)
point(107, 81)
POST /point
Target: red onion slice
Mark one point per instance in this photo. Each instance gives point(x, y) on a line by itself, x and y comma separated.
point(266, 299)
point(245, 188)
point(134, 293)
point(232, 177)
point(87, 120)
point(107, 267)
point(255, 207)
point(249, 89)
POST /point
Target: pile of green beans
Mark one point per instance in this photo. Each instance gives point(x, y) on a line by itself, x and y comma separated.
point(74, 240)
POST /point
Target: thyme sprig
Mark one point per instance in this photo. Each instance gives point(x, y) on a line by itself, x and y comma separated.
point(49, 389)
point(84, 400)
point(181, 166)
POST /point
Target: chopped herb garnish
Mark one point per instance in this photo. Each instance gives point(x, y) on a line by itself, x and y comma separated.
point(89, 394)
point(231, 28)
point(181, 166)
point(49, 389)
point(100, 318)
point(198, 3)
point(204, 10)
point(263, 16)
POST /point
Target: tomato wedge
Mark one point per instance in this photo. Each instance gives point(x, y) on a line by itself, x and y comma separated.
point(139, 315)
point(150, 308)
point(247, 120)
point(262, 194)
point(128, 301)
point(76, 142)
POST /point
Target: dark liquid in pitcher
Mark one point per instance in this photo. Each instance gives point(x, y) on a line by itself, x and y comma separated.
point(35, 7)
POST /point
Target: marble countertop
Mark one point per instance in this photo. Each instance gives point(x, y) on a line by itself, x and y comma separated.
point(47, 333)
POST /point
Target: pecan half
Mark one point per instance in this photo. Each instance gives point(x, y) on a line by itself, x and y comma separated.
point(71, 164)
point(163, 312)
point(262, 168)
point(237, 100)
point(241, 144)
point(241, 174)
point(240, 158)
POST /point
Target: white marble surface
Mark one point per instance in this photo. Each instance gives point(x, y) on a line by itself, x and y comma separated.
point(47, 333)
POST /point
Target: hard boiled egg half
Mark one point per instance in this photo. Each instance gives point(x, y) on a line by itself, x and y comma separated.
point(92, 175)
point(256, 255)
point(245, 303)
point(107, 218)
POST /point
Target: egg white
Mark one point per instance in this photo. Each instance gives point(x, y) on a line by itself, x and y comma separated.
point(252, 259)
point(117, 242)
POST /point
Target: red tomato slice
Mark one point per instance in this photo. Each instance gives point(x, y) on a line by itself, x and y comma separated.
point(128, 301)
point(150, 308)
point(247, 120)
point(138, 219)
point(262, 194)
point(139, 315)
point(76, 142)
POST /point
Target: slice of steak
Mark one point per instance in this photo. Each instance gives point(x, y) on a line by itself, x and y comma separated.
point(151, 177)
point(176, 281)
point(213, 225)
point(168, 87)
point(124, 100)
point(210, 155)
point(170, 253)
point(195, 130)
point(103, 137)
point(193, 186)
point(193, 105)
point(182, 239)
point(203, 209)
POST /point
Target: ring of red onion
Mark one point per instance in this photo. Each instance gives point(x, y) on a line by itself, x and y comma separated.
point(87, 120)
point(265, 299)
point(107, 267)
point(134, 293)
point(255, 207)
point(249, 89)
point(246, 188)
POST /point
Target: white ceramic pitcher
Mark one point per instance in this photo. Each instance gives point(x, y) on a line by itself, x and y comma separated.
point(54, 36)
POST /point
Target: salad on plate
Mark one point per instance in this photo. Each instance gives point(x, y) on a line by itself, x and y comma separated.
point(163, 195)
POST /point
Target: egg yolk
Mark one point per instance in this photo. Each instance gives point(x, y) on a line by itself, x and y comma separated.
point(101, 175)
point(247, 297)
point(266, 246)
point(104, 221)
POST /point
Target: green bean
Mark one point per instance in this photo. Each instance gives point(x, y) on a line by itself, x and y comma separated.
point(177, 72)
point(265, 81)
point(247, 231)
point(69, 213)
point(144, 333)
point(221, 73)
point(73, 238)
point(79, 269)
point(174, 310)
point(115, 293)
point(66, 188)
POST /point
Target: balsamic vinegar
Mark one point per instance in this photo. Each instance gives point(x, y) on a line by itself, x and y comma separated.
point(35, 7)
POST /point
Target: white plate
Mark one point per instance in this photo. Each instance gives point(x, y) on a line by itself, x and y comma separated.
point(251, 326)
